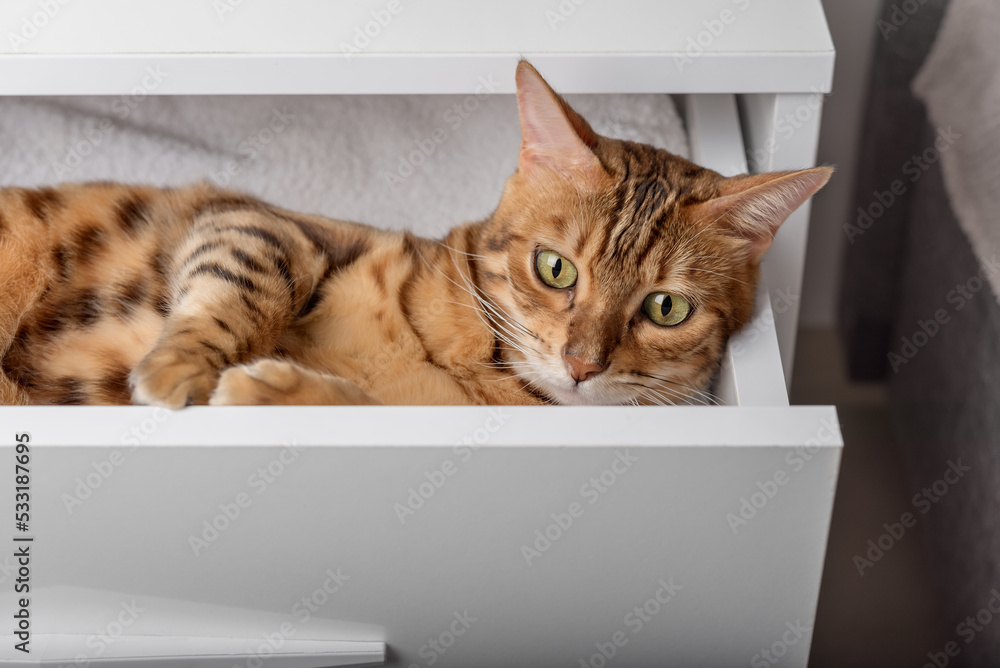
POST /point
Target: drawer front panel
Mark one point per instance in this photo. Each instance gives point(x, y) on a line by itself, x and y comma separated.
point(524, 537)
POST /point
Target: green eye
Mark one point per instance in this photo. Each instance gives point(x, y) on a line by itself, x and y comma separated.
point(666, 309)
point(555, 270)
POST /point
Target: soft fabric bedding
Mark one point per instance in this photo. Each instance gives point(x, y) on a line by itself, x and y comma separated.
point(425, 163)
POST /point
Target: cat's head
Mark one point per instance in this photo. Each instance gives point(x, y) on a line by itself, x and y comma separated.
point(615, 272)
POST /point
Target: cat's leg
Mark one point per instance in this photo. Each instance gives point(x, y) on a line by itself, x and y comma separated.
point(237, 281)
point(271, 381)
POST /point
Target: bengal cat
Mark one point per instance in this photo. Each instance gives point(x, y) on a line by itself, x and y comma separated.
point(611, 272)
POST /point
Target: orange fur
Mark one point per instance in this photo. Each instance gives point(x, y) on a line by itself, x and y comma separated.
point(116, 293)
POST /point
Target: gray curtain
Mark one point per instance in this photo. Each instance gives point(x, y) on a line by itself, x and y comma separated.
point(894, 128)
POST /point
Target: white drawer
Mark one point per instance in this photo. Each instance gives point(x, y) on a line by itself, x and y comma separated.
point(527, 536)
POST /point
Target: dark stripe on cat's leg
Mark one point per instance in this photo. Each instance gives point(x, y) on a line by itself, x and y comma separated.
point(61, 259)
point(226, 204)
point(223, 325)
point(83, 308)
point(132, 212)
point(88, 242)
point(247, 261)
point(43, 203)
point(114, 385)
point(218, 351)
point(339, 257)
point(281, 263)
point(254, 310)
point(128, 296)
point(224, 274)
point(69, 392)
point(161, 266)
point(349, 253)
point(317, 293)
point(162, 305)
point(342, 247)
point(257, 233)
point(201, 250)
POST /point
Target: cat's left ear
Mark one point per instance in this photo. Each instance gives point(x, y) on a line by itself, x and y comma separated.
point(553, 136)
point(753, 207)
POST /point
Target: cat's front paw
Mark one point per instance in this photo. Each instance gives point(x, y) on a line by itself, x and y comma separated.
point(269, 382)
point(172, 378)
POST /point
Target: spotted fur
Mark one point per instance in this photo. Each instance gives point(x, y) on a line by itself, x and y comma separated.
point(118, 293)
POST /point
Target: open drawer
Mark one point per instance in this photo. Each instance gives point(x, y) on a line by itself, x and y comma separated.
point(498, 536)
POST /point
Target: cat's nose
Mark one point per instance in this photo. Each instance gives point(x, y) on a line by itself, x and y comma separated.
point(580, 370)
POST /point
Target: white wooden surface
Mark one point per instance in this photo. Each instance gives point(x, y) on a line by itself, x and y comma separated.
point(782, 132)
point(166, 651)
point(431, 46)
point(752, 367)
point(121, 497)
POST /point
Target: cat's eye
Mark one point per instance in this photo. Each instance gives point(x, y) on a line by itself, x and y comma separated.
point(666, 309)
point(555, 270)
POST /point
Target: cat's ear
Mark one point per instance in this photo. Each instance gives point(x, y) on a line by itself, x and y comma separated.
point(553, 136)
point(753, 207)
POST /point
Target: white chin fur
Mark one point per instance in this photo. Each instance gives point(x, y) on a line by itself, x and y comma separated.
point(569, 393)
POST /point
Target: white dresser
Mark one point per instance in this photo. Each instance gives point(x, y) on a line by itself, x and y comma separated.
point(309, 537)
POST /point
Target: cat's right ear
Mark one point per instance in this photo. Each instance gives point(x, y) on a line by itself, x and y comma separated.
point(553, 136)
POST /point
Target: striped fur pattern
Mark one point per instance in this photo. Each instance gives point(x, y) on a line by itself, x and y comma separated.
point(116, 294)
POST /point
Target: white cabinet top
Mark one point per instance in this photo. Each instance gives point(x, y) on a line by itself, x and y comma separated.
point(411, 46)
